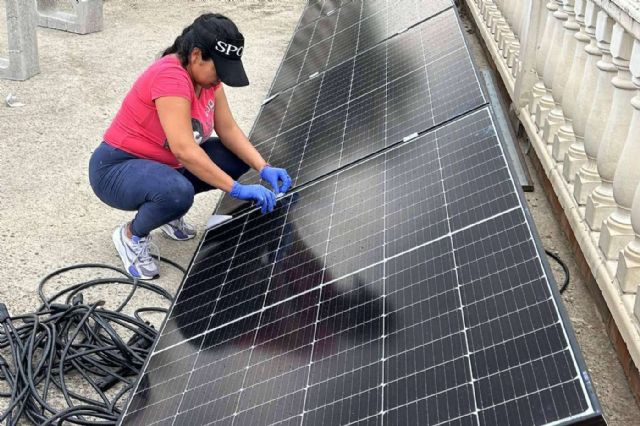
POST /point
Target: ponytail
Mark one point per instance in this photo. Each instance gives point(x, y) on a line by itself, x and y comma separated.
point(176, 47)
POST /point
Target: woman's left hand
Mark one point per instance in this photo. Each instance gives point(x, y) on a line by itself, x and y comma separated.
point(273, 175)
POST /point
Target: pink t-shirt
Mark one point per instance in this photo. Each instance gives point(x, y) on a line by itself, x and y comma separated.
point(136, 129)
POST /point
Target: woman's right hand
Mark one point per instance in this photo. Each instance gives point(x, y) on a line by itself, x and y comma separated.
point(264, 198)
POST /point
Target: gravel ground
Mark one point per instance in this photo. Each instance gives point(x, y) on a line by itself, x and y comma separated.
point(51, 218)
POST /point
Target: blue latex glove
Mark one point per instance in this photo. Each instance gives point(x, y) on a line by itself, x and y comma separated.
point(273, 175)
point(263, 198)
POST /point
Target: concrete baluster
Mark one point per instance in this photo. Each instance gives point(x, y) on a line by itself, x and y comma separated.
point(554, 118)
point(546, 36)
point(587, 178)
point(505, 7)
point(522, 12)
point(487, 6)
point(555, 44)
point(494, 19)
point(565, 82)
point(616, 230)
point(628, 273)
point(501, 31)
point(481, 6)
point(522, 7)
point(512, 57)
point(601, 203)
point(576, 157)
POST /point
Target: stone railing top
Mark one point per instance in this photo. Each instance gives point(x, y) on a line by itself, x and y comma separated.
point(624, 12)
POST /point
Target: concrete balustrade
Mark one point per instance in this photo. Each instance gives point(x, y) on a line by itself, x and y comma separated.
point(628, 273)
point(541, 104)
point(600, 204)
point(624, 224)
point(566, 82)
point(554, 118)
point(588, 179)
point(499, 25)
point(616, 230)
point(572, 69)
point(576, 156)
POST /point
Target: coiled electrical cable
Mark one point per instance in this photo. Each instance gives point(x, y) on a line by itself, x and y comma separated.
point(68, 339)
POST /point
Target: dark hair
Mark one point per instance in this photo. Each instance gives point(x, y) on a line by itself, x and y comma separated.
point(203, 34)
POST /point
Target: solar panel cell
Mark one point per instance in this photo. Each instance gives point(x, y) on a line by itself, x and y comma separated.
point(335, 87)
point(325, 28)
point(270, 118)
point(369, 71)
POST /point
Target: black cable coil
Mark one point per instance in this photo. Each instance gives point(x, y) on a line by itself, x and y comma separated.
point(70, 339)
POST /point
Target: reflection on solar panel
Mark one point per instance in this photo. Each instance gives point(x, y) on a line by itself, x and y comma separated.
point(331, 32)
point(402, 86)
point(400, 282)
point(406, 289)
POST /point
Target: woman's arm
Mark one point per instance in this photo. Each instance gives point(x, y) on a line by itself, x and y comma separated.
point(175, 116)
point(232, 136)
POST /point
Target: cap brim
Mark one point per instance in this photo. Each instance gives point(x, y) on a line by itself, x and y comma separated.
point(230, 71)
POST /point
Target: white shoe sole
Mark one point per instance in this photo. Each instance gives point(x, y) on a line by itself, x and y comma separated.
point(117, 242)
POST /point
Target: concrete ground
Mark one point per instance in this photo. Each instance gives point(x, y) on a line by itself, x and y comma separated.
point(50, 217)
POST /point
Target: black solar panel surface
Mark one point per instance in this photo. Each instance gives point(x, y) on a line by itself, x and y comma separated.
point(407, 84)
point(331, 32)
point(407, 289)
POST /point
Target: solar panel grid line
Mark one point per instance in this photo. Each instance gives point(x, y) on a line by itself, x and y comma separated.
point(256, 332)
point(317, 320)
point(270, 95)
point(309, 132)
point(248, 388)
point(249, 358)
point(401, 253)
point(322, 4)
point(433, 396)
point(443, 237)
point(169, 314)
point(236, 253)
point(146, 364)
point(534, 393)
point(554, 290)
point(455, 269)
point(384, 272)
point(363, 367)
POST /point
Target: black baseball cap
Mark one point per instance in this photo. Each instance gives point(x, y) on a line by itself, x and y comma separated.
point(227, 57)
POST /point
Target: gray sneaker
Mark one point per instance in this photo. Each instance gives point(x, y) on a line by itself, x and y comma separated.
point(179, 230)
point(135, 255)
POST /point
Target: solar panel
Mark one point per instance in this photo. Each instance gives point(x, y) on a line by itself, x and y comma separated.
point(330, 33)
point(408, 288)
point(402, 86)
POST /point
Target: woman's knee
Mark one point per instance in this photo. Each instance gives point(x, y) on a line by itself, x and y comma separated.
point(230, 163)
point(179, 195)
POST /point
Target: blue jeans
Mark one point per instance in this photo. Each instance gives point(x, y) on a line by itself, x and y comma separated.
point(158, 192)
